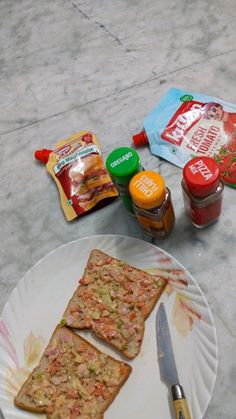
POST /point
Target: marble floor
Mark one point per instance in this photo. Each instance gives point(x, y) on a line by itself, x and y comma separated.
point(67, 65)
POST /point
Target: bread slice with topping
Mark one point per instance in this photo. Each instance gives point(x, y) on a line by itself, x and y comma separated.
point(113, 299)
point(73, 379)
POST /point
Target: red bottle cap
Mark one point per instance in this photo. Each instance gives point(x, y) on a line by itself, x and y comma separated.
point(202, 176)
point(42, 155)
point(140, 139)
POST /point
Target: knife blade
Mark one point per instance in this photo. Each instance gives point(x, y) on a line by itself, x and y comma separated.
point(167, 364)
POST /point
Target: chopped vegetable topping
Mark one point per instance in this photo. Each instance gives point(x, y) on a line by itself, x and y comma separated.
point(114, 301)
point(78, 381)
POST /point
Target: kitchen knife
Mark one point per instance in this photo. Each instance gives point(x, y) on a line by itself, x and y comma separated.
point(167, 364)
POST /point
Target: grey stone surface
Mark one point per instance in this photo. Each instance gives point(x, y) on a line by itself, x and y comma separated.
point(73, 65)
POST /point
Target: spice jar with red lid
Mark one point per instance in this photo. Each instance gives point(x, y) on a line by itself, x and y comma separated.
point(202, 191)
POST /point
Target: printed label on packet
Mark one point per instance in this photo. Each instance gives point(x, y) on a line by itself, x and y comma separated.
point(189, 130)
point(75, 156)
point(186, 116)
point(186, 125)
point(77, 167)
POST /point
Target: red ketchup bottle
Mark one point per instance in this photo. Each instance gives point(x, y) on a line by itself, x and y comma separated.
point(202, 191)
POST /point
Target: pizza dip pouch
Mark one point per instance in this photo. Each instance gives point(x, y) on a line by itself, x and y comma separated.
point(77, 167)
point(186, 125)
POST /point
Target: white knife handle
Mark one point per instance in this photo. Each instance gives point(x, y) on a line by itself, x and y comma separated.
point(180, 403)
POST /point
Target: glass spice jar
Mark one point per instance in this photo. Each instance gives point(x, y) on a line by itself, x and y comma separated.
point(122, 164)
point(152, 204)
point(202, 191)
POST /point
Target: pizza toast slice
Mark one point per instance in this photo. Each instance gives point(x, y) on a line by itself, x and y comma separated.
point(73, 379)
point(113, 299)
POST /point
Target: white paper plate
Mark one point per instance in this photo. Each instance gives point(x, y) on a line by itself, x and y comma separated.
point(37, 304)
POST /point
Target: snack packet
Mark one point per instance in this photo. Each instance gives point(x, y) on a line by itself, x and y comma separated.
point(77, 167)
point(186, 125)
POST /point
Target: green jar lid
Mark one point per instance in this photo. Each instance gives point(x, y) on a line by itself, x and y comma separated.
point(122, 164)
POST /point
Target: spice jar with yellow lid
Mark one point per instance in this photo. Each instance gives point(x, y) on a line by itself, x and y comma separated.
point(152, 203)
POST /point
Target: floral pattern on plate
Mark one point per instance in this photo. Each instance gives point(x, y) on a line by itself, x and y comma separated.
point(17, 375)
point(193, 328)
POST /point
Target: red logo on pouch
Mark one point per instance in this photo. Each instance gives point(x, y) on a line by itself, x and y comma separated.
point(183, 120)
